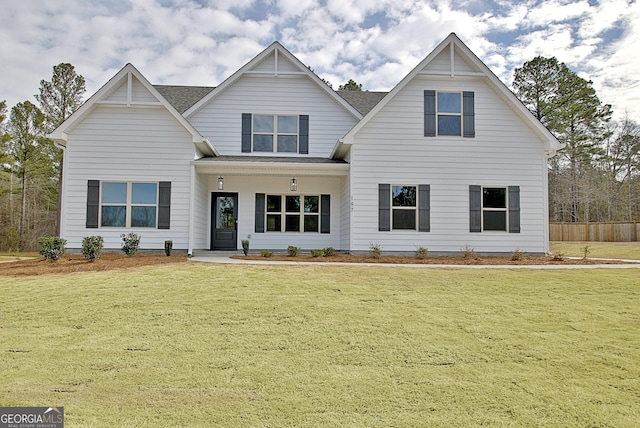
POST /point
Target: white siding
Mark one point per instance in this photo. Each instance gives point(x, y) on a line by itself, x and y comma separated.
point(248, 186)
point(127, 144)
point(201, 207)
point(221, 120)
point(391, 149)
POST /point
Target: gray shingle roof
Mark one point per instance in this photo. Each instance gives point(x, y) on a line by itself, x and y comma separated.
point(363, 101)
point(183, 97)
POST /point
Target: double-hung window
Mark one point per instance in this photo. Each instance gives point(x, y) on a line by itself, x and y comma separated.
point(273, 133)
point(404, 207)
point(449, 113)
point(494, 208)
point(128, 204)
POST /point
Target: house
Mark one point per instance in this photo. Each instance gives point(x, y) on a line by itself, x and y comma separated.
point(448, 158)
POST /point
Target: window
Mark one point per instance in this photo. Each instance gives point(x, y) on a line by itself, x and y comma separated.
point(449, 107)
point(126, 204)
point(449, 113)
point(494, 209)
point(275, 133)
point(404, 207)
point(299, 213)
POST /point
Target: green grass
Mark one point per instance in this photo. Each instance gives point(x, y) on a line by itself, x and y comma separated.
point(256, 346)
point(613, 250)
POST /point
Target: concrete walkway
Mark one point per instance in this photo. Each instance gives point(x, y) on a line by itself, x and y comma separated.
point(225, 258)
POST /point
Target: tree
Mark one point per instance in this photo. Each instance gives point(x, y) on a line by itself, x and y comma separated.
point(568, 106)
point(624, 160)
point(60, 97)
point(29, 154)
point(351, 85)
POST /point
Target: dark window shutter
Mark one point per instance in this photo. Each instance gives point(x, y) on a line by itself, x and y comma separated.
point(246, 132)
point(475, 209)
point(514, 209)
point(325, 213)
point(303, 147)
point(429, 113)
point(260, 207)
point(93, 203)
point(384, 207)
point(424, 208)
point(468, 115)
point(164, 205)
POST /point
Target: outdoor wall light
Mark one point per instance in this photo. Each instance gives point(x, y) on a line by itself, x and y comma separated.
point(294, 184)
point(220, 183)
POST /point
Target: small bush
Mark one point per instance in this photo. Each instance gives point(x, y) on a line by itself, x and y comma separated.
point(130, 243)
point(52, 247)
point(317, 253)
point(292, 250)
point(266, 253)
point(585, 252)
point(168, 247)
point(328, 252)
point(468, 252)
point(375, 250)
point(92, 247)
point(422, 253)
point(245, 247)
point(517, 255)
point(558, 257)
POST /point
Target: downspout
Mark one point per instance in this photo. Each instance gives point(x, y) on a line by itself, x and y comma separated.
point(191, 209)
point(59, 227)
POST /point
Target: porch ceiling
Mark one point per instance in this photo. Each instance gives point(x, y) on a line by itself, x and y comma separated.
point(271, 165)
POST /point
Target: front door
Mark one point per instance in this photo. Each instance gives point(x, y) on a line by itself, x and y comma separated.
point(224, 221)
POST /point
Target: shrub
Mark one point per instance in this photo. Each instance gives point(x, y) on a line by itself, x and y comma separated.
point(375, 250)
point(92, 247)
point(558, 257)
point(130, 243)
point(421, 253)
point(317, 253)
point(52, 247)
point(245, 246)
point(168, 246)
point(292, 250)
point(468, 252)
point(266, 253)
point(517, 255)
point(585, 252)
point(328, 252)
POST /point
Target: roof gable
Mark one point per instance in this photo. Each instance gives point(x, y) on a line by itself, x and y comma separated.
point(128, 88)
point(453, 58)
point(274, 61)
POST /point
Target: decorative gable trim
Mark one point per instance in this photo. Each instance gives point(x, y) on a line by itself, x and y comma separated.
point(126, 76)
point(454, 44)
point(251, 69)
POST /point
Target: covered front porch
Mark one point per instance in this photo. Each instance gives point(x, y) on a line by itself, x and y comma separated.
point(272, 202)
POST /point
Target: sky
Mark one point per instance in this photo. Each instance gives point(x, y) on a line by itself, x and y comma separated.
point(376, 43)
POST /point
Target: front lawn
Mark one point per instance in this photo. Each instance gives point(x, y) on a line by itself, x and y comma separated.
point(223, 345)
point(612, 250)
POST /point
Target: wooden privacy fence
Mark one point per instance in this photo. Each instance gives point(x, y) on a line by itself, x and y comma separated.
point(601, 232)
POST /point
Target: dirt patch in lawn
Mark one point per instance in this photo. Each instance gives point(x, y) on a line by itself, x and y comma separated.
point(77, 263)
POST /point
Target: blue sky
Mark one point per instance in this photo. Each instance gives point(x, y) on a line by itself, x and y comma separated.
point(376, 43)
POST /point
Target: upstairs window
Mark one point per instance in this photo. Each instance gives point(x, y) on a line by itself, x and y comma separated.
point(275, 133)
point(449, 113)
point(449, 107)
